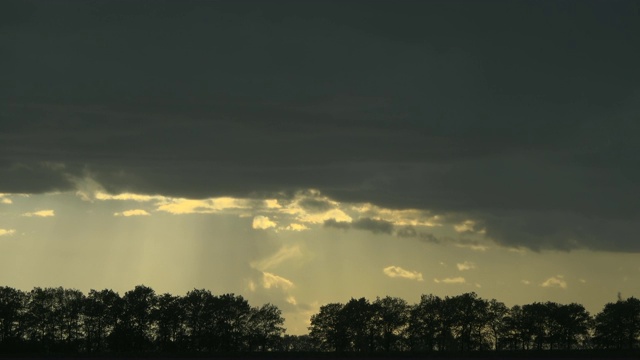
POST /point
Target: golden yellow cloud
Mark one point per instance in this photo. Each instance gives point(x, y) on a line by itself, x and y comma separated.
point(397, 271)
point(134, 212)
point(270, 280)
point(262, 223)
point(41, 213)
point(455, 280)
point(4, 232)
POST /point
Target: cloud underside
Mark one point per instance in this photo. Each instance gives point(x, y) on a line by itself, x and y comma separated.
point(398, 272)
point(505, 132)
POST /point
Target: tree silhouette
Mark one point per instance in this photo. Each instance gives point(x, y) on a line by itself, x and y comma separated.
point(496, 315)
point(265, 328)
point(391, 320)
point(468, 316)
point(618, 325)
point(327, 330)
point(133, 328)
point(169, 316)
point(356, 320)
point(71, 311)
point(571, 324)
point(198, 308)
point(426, 324)
point(230, 320)
point(101, 312)
point(43, 318)
point(11, 308)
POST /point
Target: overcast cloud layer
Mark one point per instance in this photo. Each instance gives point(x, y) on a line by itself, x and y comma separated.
point(520, 115)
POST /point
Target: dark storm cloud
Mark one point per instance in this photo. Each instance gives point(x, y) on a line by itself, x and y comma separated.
point(505, 111)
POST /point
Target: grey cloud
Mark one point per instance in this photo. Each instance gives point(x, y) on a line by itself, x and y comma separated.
point(373, 225)
point(385, 227)
point(411, 232)
point(428, 237)
point(332, 223)
point(426, 106)
point(406, 231)
point(315, 205)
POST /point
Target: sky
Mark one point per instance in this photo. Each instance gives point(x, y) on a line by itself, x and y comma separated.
point(307, 152)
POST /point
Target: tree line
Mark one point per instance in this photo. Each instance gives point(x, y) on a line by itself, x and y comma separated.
point(58, 320)
point(469, 323)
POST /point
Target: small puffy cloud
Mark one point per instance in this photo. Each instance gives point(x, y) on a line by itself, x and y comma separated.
point(397, 271)
point(555, 281)
point(285, 253)
point(134, 212)
point(5, 200)
point(6, 232)
point(270, 280)
point(467, 265)
point(291, 300)
point(262, 222)
point(526, 282)
point(455, 280)
point(41, 213)
point(296, 227)
point(583, 281)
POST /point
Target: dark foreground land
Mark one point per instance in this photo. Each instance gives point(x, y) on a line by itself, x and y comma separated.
point(501, 355)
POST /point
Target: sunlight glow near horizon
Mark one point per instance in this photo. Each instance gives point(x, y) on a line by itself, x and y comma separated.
point(295, 262)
